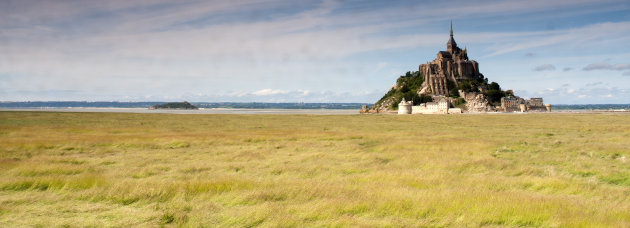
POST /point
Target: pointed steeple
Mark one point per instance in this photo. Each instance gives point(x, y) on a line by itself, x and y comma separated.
point(450, 45)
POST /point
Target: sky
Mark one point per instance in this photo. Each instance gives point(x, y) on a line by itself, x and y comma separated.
point(568, 52)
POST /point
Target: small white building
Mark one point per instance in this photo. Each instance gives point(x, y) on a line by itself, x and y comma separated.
point(432, 106)
point(404, 107)
point(443, 106)
point(439, 107)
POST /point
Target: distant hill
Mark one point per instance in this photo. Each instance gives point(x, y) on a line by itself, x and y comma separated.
point(175, 105)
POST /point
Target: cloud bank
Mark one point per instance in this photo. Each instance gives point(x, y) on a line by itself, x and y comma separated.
point(606, 66)
point(118, 50)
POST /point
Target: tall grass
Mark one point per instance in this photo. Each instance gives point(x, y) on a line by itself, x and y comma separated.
point(117, 169)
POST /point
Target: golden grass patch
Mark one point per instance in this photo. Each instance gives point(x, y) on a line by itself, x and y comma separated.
point(123, 169)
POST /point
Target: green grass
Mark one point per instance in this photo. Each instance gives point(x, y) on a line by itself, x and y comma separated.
point(504, 170)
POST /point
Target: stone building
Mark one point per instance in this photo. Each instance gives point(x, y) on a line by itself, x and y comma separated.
point(516, 104)
point(404, 107)
point(452, 64)
point(536, 104)
point(440, 107)
point(432, 107)
point(511, 103)
point(443, 106)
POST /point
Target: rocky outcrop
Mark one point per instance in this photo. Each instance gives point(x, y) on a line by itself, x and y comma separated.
point(476, 102)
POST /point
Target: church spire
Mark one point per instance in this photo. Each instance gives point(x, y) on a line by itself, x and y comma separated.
point(451, 45)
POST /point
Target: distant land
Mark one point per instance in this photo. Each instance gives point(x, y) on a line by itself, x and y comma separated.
point(148, 104)
point(175, 105)
point(251, 105)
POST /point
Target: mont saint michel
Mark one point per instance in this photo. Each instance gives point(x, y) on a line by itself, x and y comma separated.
point(451, 84)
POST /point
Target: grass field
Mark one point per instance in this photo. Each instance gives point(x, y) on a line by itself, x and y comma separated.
point(122, 169)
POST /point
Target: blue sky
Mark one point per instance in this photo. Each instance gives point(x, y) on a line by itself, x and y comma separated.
point(568, 52)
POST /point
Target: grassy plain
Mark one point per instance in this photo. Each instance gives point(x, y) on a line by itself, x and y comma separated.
point(122, 169)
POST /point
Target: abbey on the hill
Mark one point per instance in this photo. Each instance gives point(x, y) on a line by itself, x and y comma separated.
point(451, 83)
point(452, 64)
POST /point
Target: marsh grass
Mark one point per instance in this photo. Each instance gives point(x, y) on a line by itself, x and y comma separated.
point(116, 169)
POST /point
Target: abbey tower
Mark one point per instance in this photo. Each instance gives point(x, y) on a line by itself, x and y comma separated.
point(452, 64)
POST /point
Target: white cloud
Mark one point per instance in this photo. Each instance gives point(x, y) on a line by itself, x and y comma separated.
point(266, 92)
point(621, 66)
point(594, 84)
point(597, 66)
point(545, 67)
point(606, 66)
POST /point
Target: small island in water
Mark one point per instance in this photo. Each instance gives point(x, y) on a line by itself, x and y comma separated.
point(175, 105)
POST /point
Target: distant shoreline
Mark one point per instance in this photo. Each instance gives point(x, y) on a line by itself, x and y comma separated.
point(148, 104)
point(267, 111)
point(253, 105)
point(191, 111)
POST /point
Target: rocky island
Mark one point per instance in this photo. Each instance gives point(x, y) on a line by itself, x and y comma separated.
point(451, 83)
point(175, 105)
